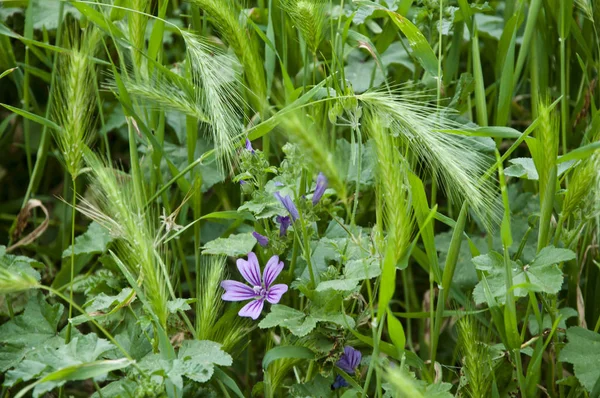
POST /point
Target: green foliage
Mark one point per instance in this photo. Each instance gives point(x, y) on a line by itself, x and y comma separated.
point(582, 350)
point(438, 168)
point(540, 275)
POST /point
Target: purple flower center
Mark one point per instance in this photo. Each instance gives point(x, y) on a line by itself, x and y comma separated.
point(260, 291)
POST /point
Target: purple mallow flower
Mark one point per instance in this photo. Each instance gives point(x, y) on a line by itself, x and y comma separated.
point(262, 240)
point(249, 146)
point(284, 224)
point(348, 362)
point(289, 205)
point(320, 188)
point(261, 288)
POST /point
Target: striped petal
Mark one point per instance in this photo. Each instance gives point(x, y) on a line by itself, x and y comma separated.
point(275, 293)
point(250, 269)
point(272, 270)
point(252, 309)
point(237, 291)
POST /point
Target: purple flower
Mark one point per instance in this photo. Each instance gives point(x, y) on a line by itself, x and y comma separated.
point(348, 362)
point(242, 182)
point(284, 224)
point(249, 146)
point(278, 184)
point(289, 205)
point(262, 240)
point(319, 189)
point(262, 287)
point(339, 382)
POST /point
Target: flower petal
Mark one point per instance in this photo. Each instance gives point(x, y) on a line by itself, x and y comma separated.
point(275, 292)
point(320, 188)
point(272, 270)
point(237, 291)
point(349, 360)
point(250, 269)
point(252, 309)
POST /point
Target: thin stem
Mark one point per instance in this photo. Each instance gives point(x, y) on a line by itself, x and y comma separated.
point(73, 214)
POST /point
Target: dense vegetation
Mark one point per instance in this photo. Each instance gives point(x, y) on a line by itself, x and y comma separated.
point(304, 198)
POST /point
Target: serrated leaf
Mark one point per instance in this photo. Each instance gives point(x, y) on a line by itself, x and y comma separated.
point(196, 360)
point(94, 241)
point(77, 360)
point(362, 269)
point(541, 275)
point(583, 351)
point(28, 332)
point(296, 321)
point(234, 245)
point(178, 304)
point(340, 285)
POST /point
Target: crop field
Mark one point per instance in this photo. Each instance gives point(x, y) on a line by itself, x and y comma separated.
point(300, 198)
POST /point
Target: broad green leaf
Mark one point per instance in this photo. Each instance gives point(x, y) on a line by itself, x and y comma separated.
point(583, 351)
point(178, 304)
point(94, 241)
point(319, 386)
point(28, 332)
point(288, 351)
point(77, 360)
point(342, 285)
point(541, 275)
point(296, 321)
point(234, 245)
point(103, 305)
point(362, 269)
point(17, 273)
point(196, 361)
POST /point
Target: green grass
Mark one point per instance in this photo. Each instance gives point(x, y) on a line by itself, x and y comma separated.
point(455, 247)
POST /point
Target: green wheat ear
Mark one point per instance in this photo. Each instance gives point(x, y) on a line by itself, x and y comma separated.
point(392, 178)
point(75, 101)
point(217, 83)
point(475, 357)
point(116, 207)
point(453, 161)
point(209, 304)
point(309, 18)
point(224, 16)
point(211, 97)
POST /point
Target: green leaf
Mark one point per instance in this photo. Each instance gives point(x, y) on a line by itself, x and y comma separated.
point(362, 269)
point(17, 272)
point(196, 361)
point(288, 351)
point(319, 386)
point(541, 275)
point(77, 360)
point(28, 332)
point(583, 351)
point(178, 304)
point(33, 117)
point(94, 241)
point(341, 285)
point(234, 245)
point(296, 321)
point(396, 331)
